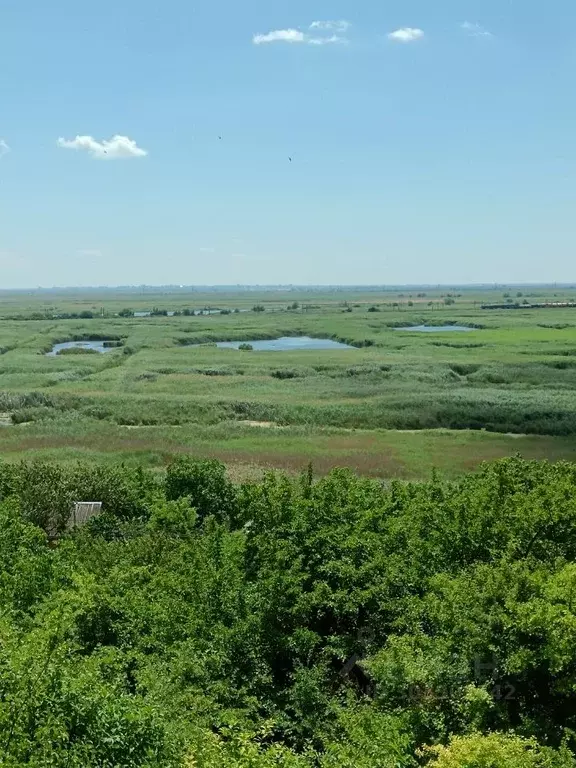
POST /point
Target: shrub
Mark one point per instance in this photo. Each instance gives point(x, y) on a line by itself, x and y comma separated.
point(497, 750)
point(78, 351)
point(205, 483)
point(285, 373)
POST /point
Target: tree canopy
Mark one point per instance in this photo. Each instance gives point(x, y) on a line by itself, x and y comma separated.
point(288, 622)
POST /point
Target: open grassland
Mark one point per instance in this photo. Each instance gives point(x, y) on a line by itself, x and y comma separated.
point(250, 448)
point(396, 404)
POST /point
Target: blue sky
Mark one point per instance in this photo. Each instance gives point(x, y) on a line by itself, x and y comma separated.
point(430, 142)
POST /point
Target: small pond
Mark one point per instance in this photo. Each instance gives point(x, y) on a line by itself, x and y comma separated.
point(434, 328)
point(195, 313)
point(286, 344)
point(97, 345)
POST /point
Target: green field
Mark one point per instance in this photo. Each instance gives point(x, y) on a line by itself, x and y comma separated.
point(398, 404)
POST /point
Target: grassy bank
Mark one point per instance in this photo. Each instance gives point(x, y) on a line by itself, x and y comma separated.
point(250, 448)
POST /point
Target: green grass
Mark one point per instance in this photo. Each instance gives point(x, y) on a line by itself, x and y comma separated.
point(515, 372)
point(244, 447)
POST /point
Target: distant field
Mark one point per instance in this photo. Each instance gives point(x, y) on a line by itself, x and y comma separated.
point(396, 405)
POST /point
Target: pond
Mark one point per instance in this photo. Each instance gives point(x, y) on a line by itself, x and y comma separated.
point(286, 344)
point(434, 328)
point(195, 313)
point(97, 345)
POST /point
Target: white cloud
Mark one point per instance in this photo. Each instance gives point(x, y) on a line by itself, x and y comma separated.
point(207, 249)
point(475, 30)
point(326, 40)
point(331, 26)
point(280, 36)
point(297, 36)
point(4, 148)
point(116, 147)
point(406, 35)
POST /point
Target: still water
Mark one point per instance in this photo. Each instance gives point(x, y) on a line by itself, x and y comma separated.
point(97, 345)
point(434, 328)
point(286, 344)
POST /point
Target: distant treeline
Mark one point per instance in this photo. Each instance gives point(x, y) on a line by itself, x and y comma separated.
point(518, 305)
point(88, 314)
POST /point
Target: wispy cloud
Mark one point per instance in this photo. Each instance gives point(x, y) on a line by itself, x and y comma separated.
point(4, 148)
point(11, 260)
point(114, 148)
point(89, 253)
point(331, 26)
point(326, 40)
point(280, 36)
point(406, 35)
point(291, 35)
point(475, 30)
point(207, 249)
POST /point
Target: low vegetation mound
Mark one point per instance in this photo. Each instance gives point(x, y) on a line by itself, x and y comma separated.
point(78, 351)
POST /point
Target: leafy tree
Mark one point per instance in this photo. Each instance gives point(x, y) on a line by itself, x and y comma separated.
point(304, 622)
point(498, 750)
point(367, 738)
point(57, 707)
point(25, 562)
point(205, 483)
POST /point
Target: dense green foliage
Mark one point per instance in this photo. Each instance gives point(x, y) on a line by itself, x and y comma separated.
point(288, 622)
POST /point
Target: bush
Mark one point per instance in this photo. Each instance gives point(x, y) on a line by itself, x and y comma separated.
point(46, 492)
point(497, 750)
point(285, 373)
point(63, 709)
point(205, 483)
point(78, 351)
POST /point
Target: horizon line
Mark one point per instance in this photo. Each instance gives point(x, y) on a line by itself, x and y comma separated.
point(288, 286)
